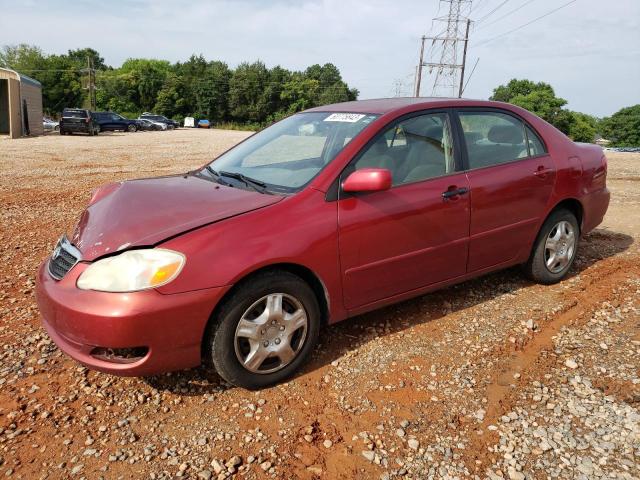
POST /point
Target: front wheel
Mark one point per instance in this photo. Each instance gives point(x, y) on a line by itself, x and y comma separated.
point(555, 248)
point(265, 331)
point(131, 128)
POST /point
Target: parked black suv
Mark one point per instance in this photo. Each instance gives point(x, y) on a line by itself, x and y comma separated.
point(109, 121)
point(78, 120)
point(160, 118)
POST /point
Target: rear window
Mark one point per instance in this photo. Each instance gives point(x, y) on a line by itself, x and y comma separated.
point(75, 113)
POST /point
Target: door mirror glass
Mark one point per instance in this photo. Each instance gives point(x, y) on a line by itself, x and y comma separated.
point(368, 180)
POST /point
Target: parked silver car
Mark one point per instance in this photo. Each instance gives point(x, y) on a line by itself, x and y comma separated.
point(50, 125)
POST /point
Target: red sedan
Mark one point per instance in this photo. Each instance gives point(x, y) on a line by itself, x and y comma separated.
point(327, 214)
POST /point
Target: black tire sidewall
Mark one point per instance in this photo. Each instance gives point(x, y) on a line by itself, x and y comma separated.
point(221, 337)
point(536, 267)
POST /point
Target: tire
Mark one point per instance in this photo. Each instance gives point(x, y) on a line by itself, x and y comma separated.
point(131, 128)
point(228, 348)
point(555, 248)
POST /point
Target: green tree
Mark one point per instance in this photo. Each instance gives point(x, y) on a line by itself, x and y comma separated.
point(276, 105)
point(22, 58)
point(332, 88)
point(538, 98)
point(172, 98)
point(584, 127)
point(623, 127)
point(117, 92)
point(247, 99)
point(250, 94)
point(80, 56)
point(60, 75)
point(148, 76)
point(300, 93)
point(61, 84)
point(212, 92)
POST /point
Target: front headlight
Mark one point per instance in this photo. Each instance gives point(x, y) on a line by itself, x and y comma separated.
point(132, 270)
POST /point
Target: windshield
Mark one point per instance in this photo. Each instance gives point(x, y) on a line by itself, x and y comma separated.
point(288, 154)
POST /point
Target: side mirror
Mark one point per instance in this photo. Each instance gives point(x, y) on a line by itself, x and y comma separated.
point(368, 180)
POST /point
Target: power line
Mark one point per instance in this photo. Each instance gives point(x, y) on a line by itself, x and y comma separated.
point(492, 11)
point(484, 42)
point(479, 2)
point(506, 14)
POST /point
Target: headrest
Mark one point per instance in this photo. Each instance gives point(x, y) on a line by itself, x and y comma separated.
point(506, 134)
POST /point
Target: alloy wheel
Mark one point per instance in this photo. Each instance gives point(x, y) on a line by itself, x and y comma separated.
point(271, 333)
point(559, 247)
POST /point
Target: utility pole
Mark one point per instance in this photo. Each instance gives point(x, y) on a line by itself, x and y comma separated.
point(91, 83)
point(464, 58)
point(445, 70)
point(420, 65)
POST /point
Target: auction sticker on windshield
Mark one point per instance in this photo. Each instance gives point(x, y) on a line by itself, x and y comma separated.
point(344, 117)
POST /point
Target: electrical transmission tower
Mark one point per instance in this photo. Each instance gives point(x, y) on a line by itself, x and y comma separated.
point(447, 62)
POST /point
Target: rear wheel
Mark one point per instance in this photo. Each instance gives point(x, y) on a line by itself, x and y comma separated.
point(131, 128)
point(265, 331)
point(555, 249)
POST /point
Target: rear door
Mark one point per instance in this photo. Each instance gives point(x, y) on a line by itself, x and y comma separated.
point(511, 177)
point(411, 236)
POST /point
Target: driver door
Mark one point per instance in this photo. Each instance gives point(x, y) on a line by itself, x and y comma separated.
point(410, 236)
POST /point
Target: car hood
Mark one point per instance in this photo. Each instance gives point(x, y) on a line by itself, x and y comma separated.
point(145, 212)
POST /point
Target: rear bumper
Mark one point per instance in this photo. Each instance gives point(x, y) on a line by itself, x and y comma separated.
point(595, 206)
point(170, 327)
point(82, 128)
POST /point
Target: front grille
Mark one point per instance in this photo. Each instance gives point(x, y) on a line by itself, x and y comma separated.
point(64, 257)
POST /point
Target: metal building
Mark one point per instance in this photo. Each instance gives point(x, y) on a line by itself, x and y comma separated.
point(20, 105)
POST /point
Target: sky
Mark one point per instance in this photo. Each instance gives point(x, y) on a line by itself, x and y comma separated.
point(589, 51)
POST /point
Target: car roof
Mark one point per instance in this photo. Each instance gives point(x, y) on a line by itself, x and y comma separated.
point(386, 105)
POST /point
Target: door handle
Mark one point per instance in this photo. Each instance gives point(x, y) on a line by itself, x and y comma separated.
point(454, 192)
point(542, 171)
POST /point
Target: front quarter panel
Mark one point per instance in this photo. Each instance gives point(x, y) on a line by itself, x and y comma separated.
point(300, 230)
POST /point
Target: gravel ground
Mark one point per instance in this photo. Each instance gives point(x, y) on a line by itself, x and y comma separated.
point(495, 378)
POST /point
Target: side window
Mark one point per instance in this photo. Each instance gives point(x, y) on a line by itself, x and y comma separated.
point(536, 147)
point(492, 138)
point(415, 149)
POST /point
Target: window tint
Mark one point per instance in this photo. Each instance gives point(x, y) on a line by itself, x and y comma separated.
point(536, 147)
point(492, 138)
point(414, 149)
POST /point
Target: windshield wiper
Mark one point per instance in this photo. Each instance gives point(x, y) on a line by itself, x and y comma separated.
point(257, 185)
point(216, 175)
